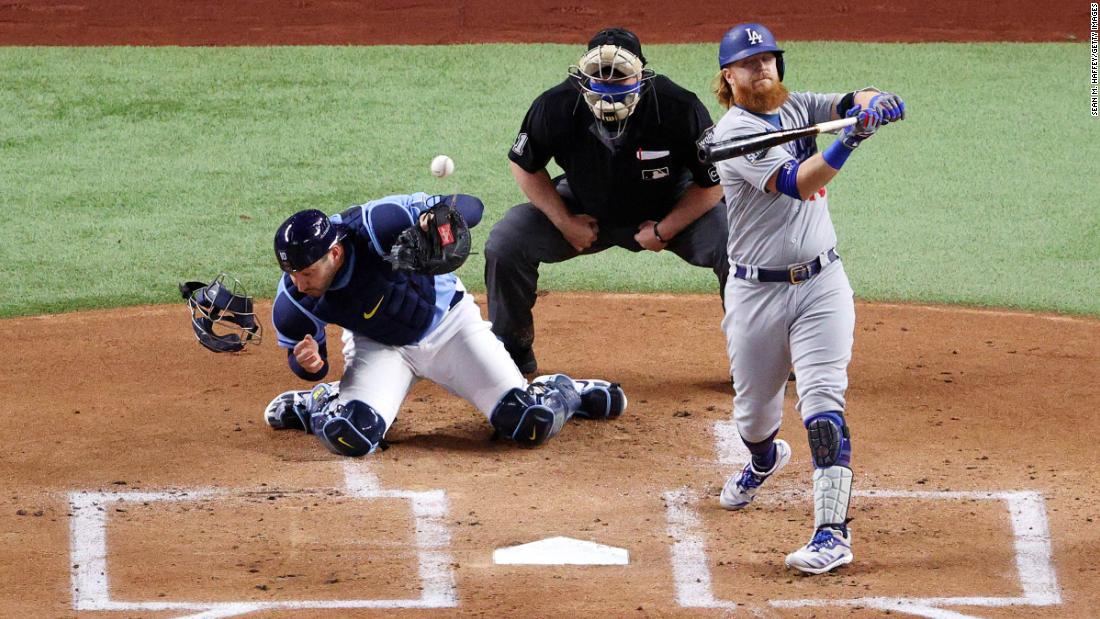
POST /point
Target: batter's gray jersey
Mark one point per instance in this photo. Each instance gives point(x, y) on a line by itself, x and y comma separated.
point(772, 229)
point(771, 326)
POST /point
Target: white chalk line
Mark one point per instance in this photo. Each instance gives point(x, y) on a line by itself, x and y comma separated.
point(690, 572)
point(1027, 512)
point(89, 550)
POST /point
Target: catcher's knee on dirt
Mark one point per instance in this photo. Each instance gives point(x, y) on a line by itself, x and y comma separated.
point(353, 429)
point(535, 415)
point(831, 448)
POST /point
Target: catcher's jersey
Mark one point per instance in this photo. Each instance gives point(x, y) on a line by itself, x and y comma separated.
point(638, 177)
point(773, 229)
point(367, 297)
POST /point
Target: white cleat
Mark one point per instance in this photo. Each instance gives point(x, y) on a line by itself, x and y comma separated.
point(830, 548)
point(741, 488)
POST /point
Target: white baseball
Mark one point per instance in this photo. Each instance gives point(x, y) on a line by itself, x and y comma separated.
point(442, 166)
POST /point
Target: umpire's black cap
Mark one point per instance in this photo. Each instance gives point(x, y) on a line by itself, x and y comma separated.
point(620, 37)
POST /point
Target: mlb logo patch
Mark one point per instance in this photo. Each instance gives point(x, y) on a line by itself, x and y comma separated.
point(654, 174)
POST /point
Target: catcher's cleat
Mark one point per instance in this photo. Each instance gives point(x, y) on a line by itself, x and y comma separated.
point(740, 489)
point(291, 410)
point(830, 548)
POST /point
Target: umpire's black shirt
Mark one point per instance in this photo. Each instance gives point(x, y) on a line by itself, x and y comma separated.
point(643, 176)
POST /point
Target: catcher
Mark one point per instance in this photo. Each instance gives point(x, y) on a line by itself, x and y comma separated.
point(384, 272)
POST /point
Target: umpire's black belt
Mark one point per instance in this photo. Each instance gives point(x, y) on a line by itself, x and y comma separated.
point(794, 274)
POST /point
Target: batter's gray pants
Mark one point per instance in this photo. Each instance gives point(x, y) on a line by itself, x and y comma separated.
point(525, 238)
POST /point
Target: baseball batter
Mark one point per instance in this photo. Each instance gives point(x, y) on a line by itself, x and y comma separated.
point(400, 326)
point(789, 301)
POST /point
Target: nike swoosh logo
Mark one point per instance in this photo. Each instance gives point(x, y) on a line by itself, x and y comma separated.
point(370, 314)
point(340, 439)
point(534, 433)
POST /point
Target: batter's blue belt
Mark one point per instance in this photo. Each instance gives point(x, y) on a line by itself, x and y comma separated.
point(794, 274)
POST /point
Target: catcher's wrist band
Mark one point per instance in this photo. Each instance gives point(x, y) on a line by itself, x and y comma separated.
point(657, 233)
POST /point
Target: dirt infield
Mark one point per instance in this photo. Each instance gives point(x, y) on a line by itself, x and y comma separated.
point(942, 400)
point(340, 22)
point(141, 481)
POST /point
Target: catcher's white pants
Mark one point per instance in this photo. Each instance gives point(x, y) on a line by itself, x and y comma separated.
point(461, 354)
point(771, 327)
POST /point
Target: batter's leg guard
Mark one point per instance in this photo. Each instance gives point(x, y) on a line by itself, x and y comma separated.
point(831, 545)
point(600, 399)
point(535, 415)
point(291, 410)
point(831, 448)
point(353, 429)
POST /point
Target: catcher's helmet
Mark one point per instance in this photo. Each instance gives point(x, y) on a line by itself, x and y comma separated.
point(305, 238)
point(221, 314)
point(744, 40)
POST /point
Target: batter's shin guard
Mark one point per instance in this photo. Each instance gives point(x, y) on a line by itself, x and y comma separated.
point(831, 449)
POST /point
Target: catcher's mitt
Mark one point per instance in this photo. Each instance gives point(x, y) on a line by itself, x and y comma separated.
point(442, 248)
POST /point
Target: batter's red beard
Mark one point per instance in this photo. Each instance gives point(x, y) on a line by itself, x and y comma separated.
point(761, 102)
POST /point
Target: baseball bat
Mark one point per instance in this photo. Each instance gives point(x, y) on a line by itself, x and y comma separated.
point(713, 152)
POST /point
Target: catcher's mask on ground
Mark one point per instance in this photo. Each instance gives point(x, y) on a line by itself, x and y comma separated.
point(221, 314)
point(612, 77)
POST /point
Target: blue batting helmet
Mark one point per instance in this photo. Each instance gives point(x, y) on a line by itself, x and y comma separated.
point(305, 238)
point(744, 40)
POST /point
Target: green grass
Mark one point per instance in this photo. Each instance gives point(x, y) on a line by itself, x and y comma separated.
point(125, 170)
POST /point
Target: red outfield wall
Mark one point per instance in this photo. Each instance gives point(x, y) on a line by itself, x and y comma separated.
point(359, 22)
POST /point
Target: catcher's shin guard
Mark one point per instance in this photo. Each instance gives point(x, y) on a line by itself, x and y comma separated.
point(600, 399)
point(535, 415)
point(353, 429)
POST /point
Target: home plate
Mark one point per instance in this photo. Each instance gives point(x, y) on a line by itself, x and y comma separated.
point(561, 551)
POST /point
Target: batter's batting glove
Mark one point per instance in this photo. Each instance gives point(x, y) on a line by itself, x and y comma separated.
point(889, 106)
point(867, 122)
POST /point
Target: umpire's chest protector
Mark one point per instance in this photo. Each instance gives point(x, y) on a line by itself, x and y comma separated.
point(390, 307)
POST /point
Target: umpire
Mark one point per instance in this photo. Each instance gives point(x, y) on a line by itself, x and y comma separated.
point(625, 138)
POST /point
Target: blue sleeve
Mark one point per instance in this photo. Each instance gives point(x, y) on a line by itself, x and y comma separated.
point(468, 206)
point(385, 219)
point(787, 180)
point(384, 222)
point(293, 322)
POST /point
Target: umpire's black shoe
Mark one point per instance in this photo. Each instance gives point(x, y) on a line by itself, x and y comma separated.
point(525, 360)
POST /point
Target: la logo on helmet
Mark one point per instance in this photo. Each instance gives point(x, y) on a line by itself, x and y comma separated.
point(754, 36)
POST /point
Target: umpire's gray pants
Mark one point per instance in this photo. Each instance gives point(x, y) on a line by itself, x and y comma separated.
point(525, 238)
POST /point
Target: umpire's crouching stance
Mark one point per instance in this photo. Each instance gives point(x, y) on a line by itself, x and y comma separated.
point(636, 185)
